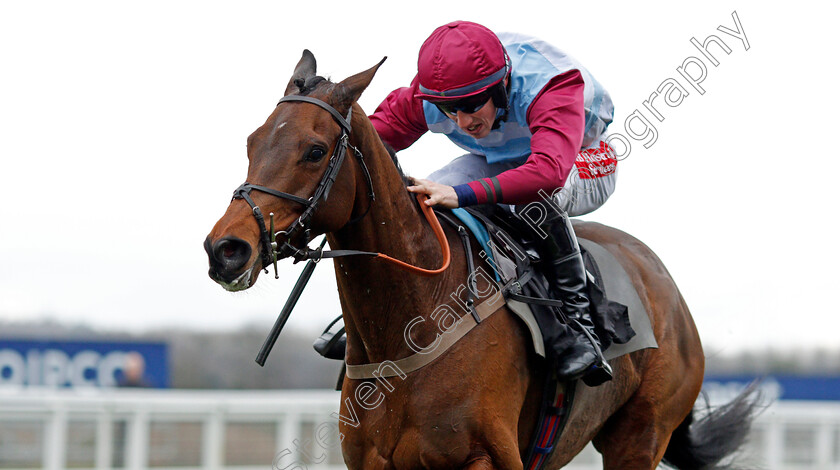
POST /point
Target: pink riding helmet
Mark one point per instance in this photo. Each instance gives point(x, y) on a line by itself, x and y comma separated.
point(459, 60)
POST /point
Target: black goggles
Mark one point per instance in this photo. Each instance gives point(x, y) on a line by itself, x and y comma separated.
point(467, 105)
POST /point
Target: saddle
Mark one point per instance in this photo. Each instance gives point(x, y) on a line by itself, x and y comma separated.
point(512, 242)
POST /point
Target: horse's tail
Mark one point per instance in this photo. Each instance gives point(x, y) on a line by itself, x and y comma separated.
point(704, 443)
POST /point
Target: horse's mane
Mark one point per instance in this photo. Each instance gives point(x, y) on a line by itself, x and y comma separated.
point(339, 94)
point(393, 153)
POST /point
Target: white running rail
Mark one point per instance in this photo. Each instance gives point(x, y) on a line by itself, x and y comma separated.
point(289, 430)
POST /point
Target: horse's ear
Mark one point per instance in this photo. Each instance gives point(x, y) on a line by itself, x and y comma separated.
point(355, 85)
point(305, 69)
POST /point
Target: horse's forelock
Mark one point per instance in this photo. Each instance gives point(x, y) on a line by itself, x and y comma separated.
point(336, 95)
point(305, 86)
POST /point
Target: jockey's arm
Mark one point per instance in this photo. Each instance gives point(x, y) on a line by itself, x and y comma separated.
point(556, 120)
point(399, 119)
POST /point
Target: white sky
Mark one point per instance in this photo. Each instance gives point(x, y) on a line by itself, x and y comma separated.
point(123, 127)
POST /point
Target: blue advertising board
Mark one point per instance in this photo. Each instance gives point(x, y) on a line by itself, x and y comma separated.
point(46, 363)
point(781, 387)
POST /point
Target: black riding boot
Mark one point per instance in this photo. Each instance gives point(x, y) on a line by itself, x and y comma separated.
point(567, 277)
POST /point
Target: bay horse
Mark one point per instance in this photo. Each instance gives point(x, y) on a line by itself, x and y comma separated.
point(476, 406)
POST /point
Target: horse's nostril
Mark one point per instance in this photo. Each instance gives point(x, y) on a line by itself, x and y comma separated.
point(231, 254)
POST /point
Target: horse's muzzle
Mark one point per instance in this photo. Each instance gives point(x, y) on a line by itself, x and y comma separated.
point(228, 258)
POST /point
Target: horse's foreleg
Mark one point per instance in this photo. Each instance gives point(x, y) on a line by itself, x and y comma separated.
point(484, 463)
point(481, 464)
point(496, 461)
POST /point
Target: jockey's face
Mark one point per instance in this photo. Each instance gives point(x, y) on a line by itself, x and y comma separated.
point(477, 124)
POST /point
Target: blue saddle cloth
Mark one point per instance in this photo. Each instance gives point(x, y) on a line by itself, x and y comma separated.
point(479, 231)
point(612, 319)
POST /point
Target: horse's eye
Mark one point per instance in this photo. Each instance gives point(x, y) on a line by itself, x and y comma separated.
point(315, 154)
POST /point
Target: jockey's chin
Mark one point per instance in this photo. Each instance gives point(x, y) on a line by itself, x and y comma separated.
point(478, 124)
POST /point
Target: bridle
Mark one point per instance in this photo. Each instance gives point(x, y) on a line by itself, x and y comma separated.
point(270, 250)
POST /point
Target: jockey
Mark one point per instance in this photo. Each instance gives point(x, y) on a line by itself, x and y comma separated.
point(533, 122)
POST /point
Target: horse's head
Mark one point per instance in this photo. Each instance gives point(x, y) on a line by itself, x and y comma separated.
point(296, 172)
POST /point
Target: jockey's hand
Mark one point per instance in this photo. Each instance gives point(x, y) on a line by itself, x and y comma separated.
point(439, 194)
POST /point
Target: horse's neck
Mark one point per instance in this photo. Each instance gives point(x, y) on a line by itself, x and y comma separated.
point(379, 299)
point(394, 224)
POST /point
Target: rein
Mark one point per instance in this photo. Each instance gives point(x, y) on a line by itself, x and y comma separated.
point(271, 250)
point(316, 255)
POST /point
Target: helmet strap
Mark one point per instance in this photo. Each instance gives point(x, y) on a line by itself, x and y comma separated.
point(501, 94)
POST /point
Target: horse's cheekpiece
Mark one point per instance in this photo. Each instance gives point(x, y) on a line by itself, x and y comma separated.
point(270, 250)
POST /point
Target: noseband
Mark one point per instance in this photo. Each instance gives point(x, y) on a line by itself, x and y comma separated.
point(270, 250)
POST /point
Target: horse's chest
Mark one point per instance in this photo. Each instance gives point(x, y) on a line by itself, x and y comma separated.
point(395, 439)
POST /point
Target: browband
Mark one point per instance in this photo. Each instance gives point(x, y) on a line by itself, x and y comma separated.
point(342, 121)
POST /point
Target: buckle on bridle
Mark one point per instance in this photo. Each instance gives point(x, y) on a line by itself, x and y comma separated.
point(320, 251)
point(273, 247)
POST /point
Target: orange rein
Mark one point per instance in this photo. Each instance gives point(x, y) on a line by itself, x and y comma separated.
point(444, 245)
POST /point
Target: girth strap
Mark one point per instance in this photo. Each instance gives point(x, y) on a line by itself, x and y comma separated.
point(411, 363)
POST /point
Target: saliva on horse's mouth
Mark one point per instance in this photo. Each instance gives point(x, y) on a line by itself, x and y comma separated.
point(242, 282)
